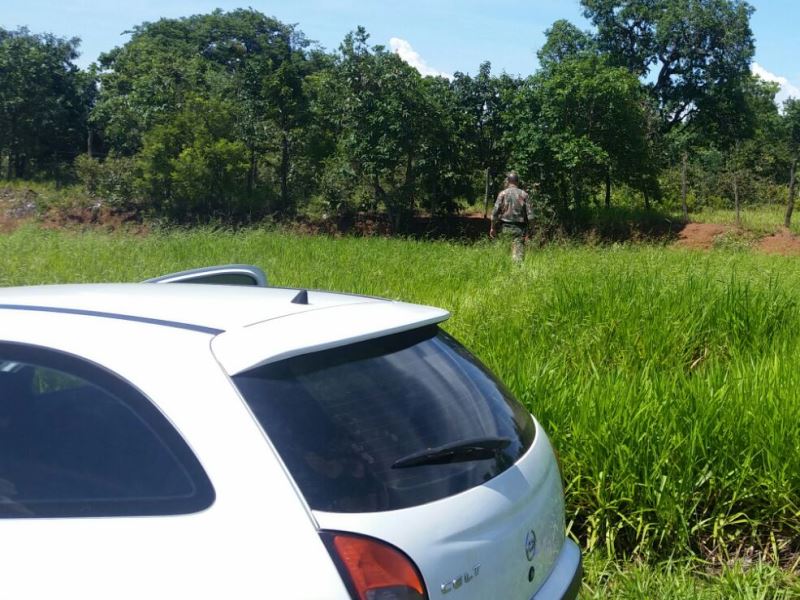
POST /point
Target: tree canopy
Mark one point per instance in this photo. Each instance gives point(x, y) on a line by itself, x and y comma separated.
point(237, 116)
point(44, 102)
point(686, 48)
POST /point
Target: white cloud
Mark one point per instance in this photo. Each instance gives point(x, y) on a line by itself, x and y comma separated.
point(404, 49)
point(787, 89)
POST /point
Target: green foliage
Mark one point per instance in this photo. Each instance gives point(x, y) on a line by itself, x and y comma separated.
point(765, 219)
point(44, 101)
point(396, 142)
point(144, 82)
point(26, 198)
point(739, 153)
point(605, 578)
point(210, 178)
point(583, 121)
point(485, 103)
point(248, 71)
point(190, 167)
point(378, 95)
point(565, 41)
point(791, 124)
point(657, 91)
point(112, 179)
point(444, 160)
point(735, 240)
point(690, 48)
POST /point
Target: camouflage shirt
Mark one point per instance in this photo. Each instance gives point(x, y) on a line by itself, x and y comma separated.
point(513, 206)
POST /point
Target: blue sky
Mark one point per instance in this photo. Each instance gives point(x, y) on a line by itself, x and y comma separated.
point(439, 35)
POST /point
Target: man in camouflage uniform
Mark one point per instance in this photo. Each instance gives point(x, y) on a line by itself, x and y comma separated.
point(514, 212)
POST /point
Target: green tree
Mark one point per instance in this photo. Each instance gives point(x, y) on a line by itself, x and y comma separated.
point(144, 82)
point(192, 169)
point(791, 135)
point(269, 62)
point(564, 41)
point(686, 49)
point(378, 106)
point(744, 127)
point(445, 160)
point(583, 123)
point(485, 100)
point(252, 64)
point(43, 103)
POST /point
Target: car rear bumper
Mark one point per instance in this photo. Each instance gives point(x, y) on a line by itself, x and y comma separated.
point(564, 580)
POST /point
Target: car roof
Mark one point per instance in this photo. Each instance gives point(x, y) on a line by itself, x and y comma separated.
point(203, 307)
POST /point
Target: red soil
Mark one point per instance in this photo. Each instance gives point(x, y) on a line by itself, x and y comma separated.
point(700, 236)
point(783, 242)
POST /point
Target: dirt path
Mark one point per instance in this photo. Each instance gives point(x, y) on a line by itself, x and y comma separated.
point(701, 236)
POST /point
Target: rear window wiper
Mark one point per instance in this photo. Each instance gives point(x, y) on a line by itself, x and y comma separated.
point(461, 451)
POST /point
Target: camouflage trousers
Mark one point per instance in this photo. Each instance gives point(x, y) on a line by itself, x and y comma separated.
point(516, 233)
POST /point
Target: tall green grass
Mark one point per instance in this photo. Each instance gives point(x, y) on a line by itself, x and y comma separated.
point(669, 380)
point(681, 581)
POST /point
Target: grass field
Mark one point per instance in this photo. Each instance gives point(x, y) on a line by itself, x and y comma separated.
point(669, 380)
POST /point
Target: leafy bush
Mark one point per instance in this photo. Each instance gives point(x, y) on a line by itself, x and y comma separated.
point(191, 169)
point(209, 177)
point(112, 179)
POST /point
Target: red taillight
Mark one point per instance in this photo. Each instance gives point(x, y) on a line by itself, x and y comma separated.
point(374, 570)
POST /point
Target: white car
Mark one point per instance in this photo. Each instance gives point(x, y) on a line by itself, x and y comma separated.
point(230, 441)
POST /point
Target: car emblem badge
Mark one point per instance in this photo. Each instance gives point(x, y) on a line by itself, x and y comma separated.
point(530, 544)
point(461, 580)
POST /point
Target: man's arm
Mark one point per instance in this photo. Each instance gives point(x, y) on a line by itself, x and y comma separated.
point(528, 216)
point(498, 204)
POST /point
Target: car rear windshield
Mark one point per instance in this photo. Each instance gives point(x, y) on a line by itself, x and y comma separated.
point(356, 425)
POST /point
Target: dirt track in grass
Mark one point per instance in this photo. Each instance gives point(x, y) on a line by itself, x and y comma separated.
point(702, 236)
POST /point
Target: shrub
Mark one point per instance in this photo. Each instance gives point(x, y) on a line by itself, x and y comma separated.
point(112, 180)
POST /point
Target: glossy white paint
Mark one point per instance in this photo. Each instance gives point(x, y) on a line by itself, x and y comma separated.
point(329, 327)
point(215, 306)
point(258, 539)
point(483, 527)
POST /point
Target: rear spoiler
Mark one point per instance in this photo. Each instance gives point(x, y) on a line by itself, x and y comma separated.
point(306, 331)
point(246, 275)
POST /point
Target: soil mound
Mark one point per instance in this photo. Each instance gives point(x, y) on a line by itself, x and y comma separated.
point(783, 242)
point(700, 236)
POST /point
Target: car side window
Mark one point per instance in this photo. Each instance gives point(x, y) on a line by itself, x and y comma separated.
point(79, 441)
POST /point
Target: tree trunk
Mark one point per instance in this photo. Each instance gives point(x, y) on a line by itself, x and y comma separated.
point(684, 205)
point(486, 196)
point(608, 188)
point(646, 201)
point(251, 174)
point(577, 193)
point(408, 192)
point(435, 192)
point(284, 174)
point(735, 158)
point(90, 143)
point(19, 166)
point(787, 221)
